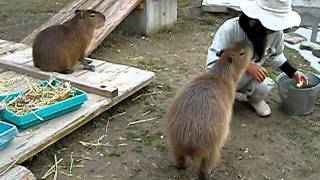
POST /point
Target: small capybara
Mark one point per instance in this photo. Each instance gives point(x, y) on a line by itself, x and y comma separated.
point(58, 48)
point(198, 118)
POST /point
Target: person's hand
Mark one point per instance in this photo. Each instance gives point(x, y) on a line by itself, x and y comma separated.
point(300, 77)
point(257, 72)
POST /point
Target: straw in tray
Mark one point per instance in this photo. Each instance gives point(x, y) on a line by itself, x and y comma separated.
point(38, 96)
point(12, 82)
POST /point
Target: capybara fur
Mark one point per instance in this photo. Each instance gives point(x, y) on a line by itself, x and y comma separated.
point(58, 48)
point(199, 116)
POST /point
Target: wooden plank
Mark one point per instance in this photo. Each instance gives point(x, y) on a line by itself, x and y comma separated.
point(104, 6)
point(114, 16)
point(106, 91)
point(8, 43)
point(31, 141)
point(103, 73)
point(121, 79)
point(78, 68)
point(18, 173)
point(12, 49)
point(91, 4)
point(20, 57)
point(2, 41)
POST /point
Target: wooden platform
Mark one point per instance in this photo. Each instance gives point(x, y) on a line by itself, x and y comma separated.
point(29, 142)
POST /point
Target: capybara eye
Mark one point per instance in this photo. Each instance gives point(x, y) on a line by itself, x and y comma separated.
point(242, 53)
point(92, 15)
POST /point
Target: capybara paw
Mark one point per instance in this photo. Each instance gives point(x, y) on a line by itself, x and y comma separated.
point(67, 72)
point(203, 175)
point(90, 67)
point(86, 61)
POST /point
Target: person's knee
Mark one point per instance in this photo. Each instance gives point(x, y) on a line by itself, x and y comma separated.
point(261, 90)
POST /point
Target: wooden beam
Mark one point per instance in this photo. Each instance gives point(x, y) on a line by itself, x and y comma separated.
point(99, 89)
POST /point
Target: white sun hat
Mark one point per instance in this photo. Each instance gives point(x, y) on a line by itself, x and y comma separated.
point(273, 14)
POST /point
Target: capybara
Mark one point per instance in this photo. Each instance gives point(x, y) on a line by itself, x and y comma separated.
point(198, 118)
point(58, 48)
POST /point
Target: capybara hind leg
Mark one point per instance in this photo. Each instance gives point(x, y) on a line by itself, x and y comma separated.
point(179, 157)
point(207, 163)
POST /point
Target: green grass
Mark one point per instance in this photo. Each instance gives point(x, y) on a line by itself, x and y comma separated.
point(137, 149)
point(115, 153)
point(131, 134)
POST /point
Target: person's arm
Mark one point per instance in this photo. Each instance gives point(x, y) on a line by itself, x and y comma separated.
point(280, 61)
point(221, 40)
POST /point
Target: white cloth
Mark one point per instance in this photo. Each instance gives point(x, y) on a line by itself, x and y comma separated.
point(230, 32)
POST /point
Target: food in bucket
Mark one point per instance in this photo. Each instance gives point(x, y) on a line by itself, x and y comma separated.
point(38, 96)
point(299, 85)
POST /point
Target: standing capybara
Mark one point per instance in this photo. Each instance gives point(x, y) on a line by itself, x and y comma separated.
point(58, 48)
point(199, 116)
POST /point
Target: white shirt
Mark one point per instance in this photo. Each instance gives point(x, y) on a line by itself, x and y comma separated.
point(230, 32)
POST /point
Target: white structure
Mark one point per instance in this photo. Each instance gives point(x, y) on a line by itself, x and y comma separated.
point(150, 16)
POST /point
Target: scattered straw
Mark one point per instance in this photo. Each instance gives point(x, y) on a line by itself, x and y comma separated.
point(56, 168)
point(51, 170)
point(142, 121)
point(146, 94)
point(66, 174)
point(71, 164)
point(87, 144)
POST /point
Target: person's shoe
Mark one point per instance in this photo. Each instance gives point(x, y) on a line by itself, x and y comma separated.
point(261, 107)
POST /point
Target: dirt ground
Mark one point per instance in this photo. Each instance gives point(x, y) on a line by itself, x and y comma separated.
point(276, 147)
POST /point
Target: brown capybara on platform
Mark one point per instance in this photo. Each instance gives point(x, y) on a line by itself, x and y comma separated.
point(58, 48)
point(198, 118)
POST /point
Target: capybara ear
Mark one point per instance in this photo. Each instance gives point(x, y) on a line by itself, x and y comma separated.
point(81, 13)
point(231, 58)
